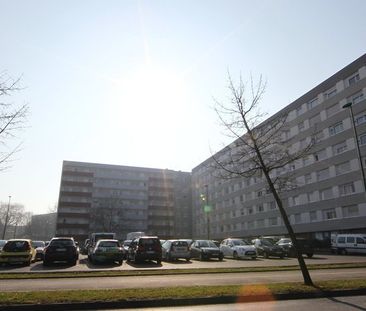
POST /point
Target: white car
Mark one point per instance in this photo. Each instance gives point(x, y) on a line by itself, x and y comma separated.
point(238, 248)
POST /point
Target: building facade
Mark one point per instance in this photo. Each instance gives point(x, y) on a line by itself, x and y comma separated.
point(330, 194)
point(122, 199)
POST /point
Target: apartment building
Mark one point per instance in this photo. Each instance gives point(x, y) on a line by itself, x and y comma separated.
point(330, 195)
point(122, 199)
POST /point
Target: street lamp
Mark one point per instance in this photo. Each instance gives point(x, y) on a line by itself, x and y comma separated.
point(206, 209)
point(6, 218)
point(349, 105)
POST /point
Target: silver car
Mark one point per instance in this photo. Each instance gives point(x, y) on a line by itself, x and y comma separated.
point(238, 248)
point(174, 249)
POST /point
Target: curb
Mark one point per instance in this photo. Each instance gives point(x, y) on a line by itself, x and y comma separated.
point(170, 302)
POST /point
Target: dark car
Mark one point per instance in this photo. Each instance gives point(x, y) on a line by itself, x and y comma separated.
point(61, 249)
point(205, 249)
point(145, 248)
point(266, 248)
point(305, 247)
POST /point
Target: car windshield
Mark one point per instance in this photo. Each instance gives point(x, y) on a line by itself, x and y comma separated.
point(127, 242)
point(284, 241)
point(180, 243)
point(2, 243)
point(16, 246)
point(207, 244)
point(239, 242)
point(108, 244)
point(149, 241)
point(36, 244)
point(62, 243)
point(267, 243)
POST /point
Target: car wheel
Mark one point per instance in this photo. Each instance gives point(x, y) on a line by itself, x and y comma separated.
point(120, 262)
point(188, 259)
point(281, 256)
point(73, 262)
point(158, 261)
point(27, 263)
point(235, 255)
point(310, 255)
point(344, 252)
point(201, 257)
point(168, 257)
point(221, 257)
point(265, 255)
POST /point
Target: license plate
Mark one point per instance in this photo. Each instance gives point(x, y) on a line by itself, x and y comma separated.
point(60, 249)
point(150, 252)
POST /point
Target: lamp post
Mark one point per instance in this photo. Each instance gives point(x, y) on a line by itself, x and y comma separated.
point(6, 218)
point(206, 209)
point(349, 105)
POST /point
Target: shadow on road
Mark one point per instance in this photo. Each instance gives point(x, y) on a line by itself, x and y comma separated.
point(144, 264)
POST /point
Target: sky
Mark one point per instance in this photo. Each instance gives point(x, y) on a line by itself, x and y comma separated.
point(135, 82)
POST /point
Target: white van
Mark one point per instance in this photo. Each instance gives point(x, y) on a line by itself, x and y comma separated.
point(349, 243)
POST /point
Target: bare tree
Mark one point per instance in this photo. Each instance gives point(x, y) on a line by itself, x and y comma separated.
point(12, 119)
point(11, 217)
point(260, 148)
point(106, 216)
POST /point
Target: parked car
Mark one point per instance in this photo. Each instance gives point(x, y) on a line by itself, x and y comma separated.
point(238, 248)
point(145, 248)
point(18, 251)
point(175, 249)
point(266, 248)
point(39, 246)
point(61, 249)
point(349, 243)
point(2, 243)
point(305, 247)
point(84, 247)
point(205, 249)
point(107, 251)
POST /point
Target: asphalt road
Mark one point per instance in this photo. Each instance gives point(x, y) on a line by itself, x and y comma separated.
point(176, 280)
point(329, 304)
point(84, 265)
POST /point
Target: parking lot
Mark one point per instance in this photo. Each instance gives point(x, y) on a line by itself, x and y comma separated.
point(84, 265)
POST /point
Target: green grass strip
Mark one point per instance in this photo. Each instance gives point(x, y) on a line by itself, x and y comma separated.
point(270, 290)
point(115, 273)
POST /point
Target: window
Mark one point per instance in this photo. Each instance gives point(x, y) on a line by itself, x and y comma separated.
point(333, 110)
point(355, 98)
point(362, 139)
point(320, 155)
point(286, 135)
point(272, 205)
point(259, 193)
point(296, 200)
point(241, 198)
point(319, 136)
point(273, 221)
point(314, 120)
point(330, 93)
point(353, 79)
point(301, 126)
point(312, 103)
point(341, 239)
point(343, 168)
point(297, 218)
point(306, 160)
point(260, 208)
point(307, 178)
point(350, 211)
point(339, 148)
point(346, 189)
point(326, 194)
point(250, 210)
point(260, 223)
point(250, 225)
point(313, 216)
point(336, 128)
point(361, 118)
point(360, 240)
point(329, 214)
point(299, 111)
point(322, 174)
point(350, 239)
point(311, 196)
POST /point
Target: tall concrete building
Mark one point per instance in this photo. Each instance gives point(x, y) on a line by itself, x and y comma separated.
point(330, 196)
point(122, 199)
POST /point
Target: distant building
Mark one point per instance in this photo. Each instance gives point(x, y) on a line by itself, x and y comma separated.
point(122, 199)
point(43, 227)
point(330, 196)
